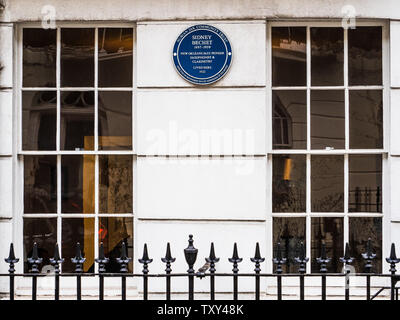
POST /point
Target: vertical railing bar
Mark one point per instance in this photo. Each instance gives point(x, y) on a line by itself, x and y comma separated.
point(145, 261)
point(56, 261)
point(235, 260)
point(212, 260)
point(168, 260)
point(347, 260)
point(11, 260)
point(190, 256)
point(78, 260)
point(257, 260)
point(34, 261)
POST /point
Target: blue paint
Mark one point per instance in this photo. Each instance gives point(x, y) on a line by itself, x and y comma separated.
point(202, 54)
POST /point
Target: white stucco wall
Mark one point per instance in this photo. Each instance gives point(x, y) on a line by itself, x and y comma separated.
point(140, 10)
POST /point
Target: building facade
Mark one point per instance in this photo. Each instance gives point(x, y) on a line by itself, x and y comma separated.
point(102, 140)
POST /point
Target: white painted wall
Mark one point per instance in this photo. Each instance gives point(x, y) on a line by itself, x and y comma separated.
point(201, 188)
point(201, 122)
point(129, 10)
point(155, 42)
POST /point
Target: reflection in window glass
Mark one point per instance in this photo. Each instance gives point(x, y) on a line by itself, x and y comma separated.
point(115, 120)
point(76, 230)
point(289, 183)
point(327, 56)
point(77, 120)
point(327, 183)
point(327, 119)
point(77, 184)
point(39, 119)
point(39, 57)
point(115, 57)
point(328, 231)
point(112, 232)
point(289, 56)
point(290, 232)
point(115, 184)
point(77, 57)
point(289, 118)
point(360, 229)
point(44, 232)
point(365, 56)
point(365, 183)
point(40, 184)
point(366, 119)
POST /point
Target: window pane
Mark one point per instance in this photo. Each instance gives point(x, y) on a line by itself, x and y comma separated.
point(327, 56)
point(77, 57)
point(39, 120)
point(43, 231)
point(115, 184)
point(76, 230)
point(115, 57)
point(365, 56)
point(327, 183)
point(77, 120)
point(365, 183)
point(360, 230)
point(330, 231)
point(289, 56)
point(290, 232)
point(112, 232)
point(289, 183)
point(77, 184)
point(40, 184)
point(366, 119)
point(289, 118)
point(115, 120)
point(39, 58)
point(327, 119)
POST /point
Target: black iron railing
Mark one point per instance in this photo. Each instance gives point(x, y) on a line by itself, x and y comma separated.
point(210, 266)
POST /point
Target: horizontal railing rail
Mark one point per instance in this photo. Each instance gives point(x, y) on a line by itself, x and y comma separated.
point(207, 271)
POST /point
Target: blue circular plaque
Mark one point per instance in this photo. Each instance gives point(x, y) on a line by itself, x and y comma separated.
point(202, 54)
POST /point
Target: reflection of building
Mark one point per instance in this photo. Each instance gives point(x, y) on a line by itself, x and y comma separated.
point(102, 140)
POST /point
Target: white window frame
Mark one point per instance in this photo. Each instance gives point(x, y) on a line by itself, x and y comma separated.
point(18, 175)
point(385, 87)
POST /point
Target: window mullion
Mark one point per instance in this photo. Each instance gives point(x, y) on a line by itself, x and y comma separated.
point(96, 147)
point(58, 68)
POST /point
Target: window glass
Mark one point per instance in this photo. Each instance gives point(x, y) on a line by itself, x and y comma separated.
point(327, 119)
point(40, 184)
point(327, 183)
point(39, 57)
point(289, 119)
point(115, 120)
point(327, 230)
point(327, 56)
point(290, 232)
point(77, 184)
point(366, 119)
point(289, 56)
point(39, 119)
point(76, 230)
point(113, 232)
point(115, 185)
point(115, 57)
point(77, 57)
point(360, 230)
point(43, 231)
point(365, 56)
point(77, 120)
point(365, 183)
point(289, 183)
